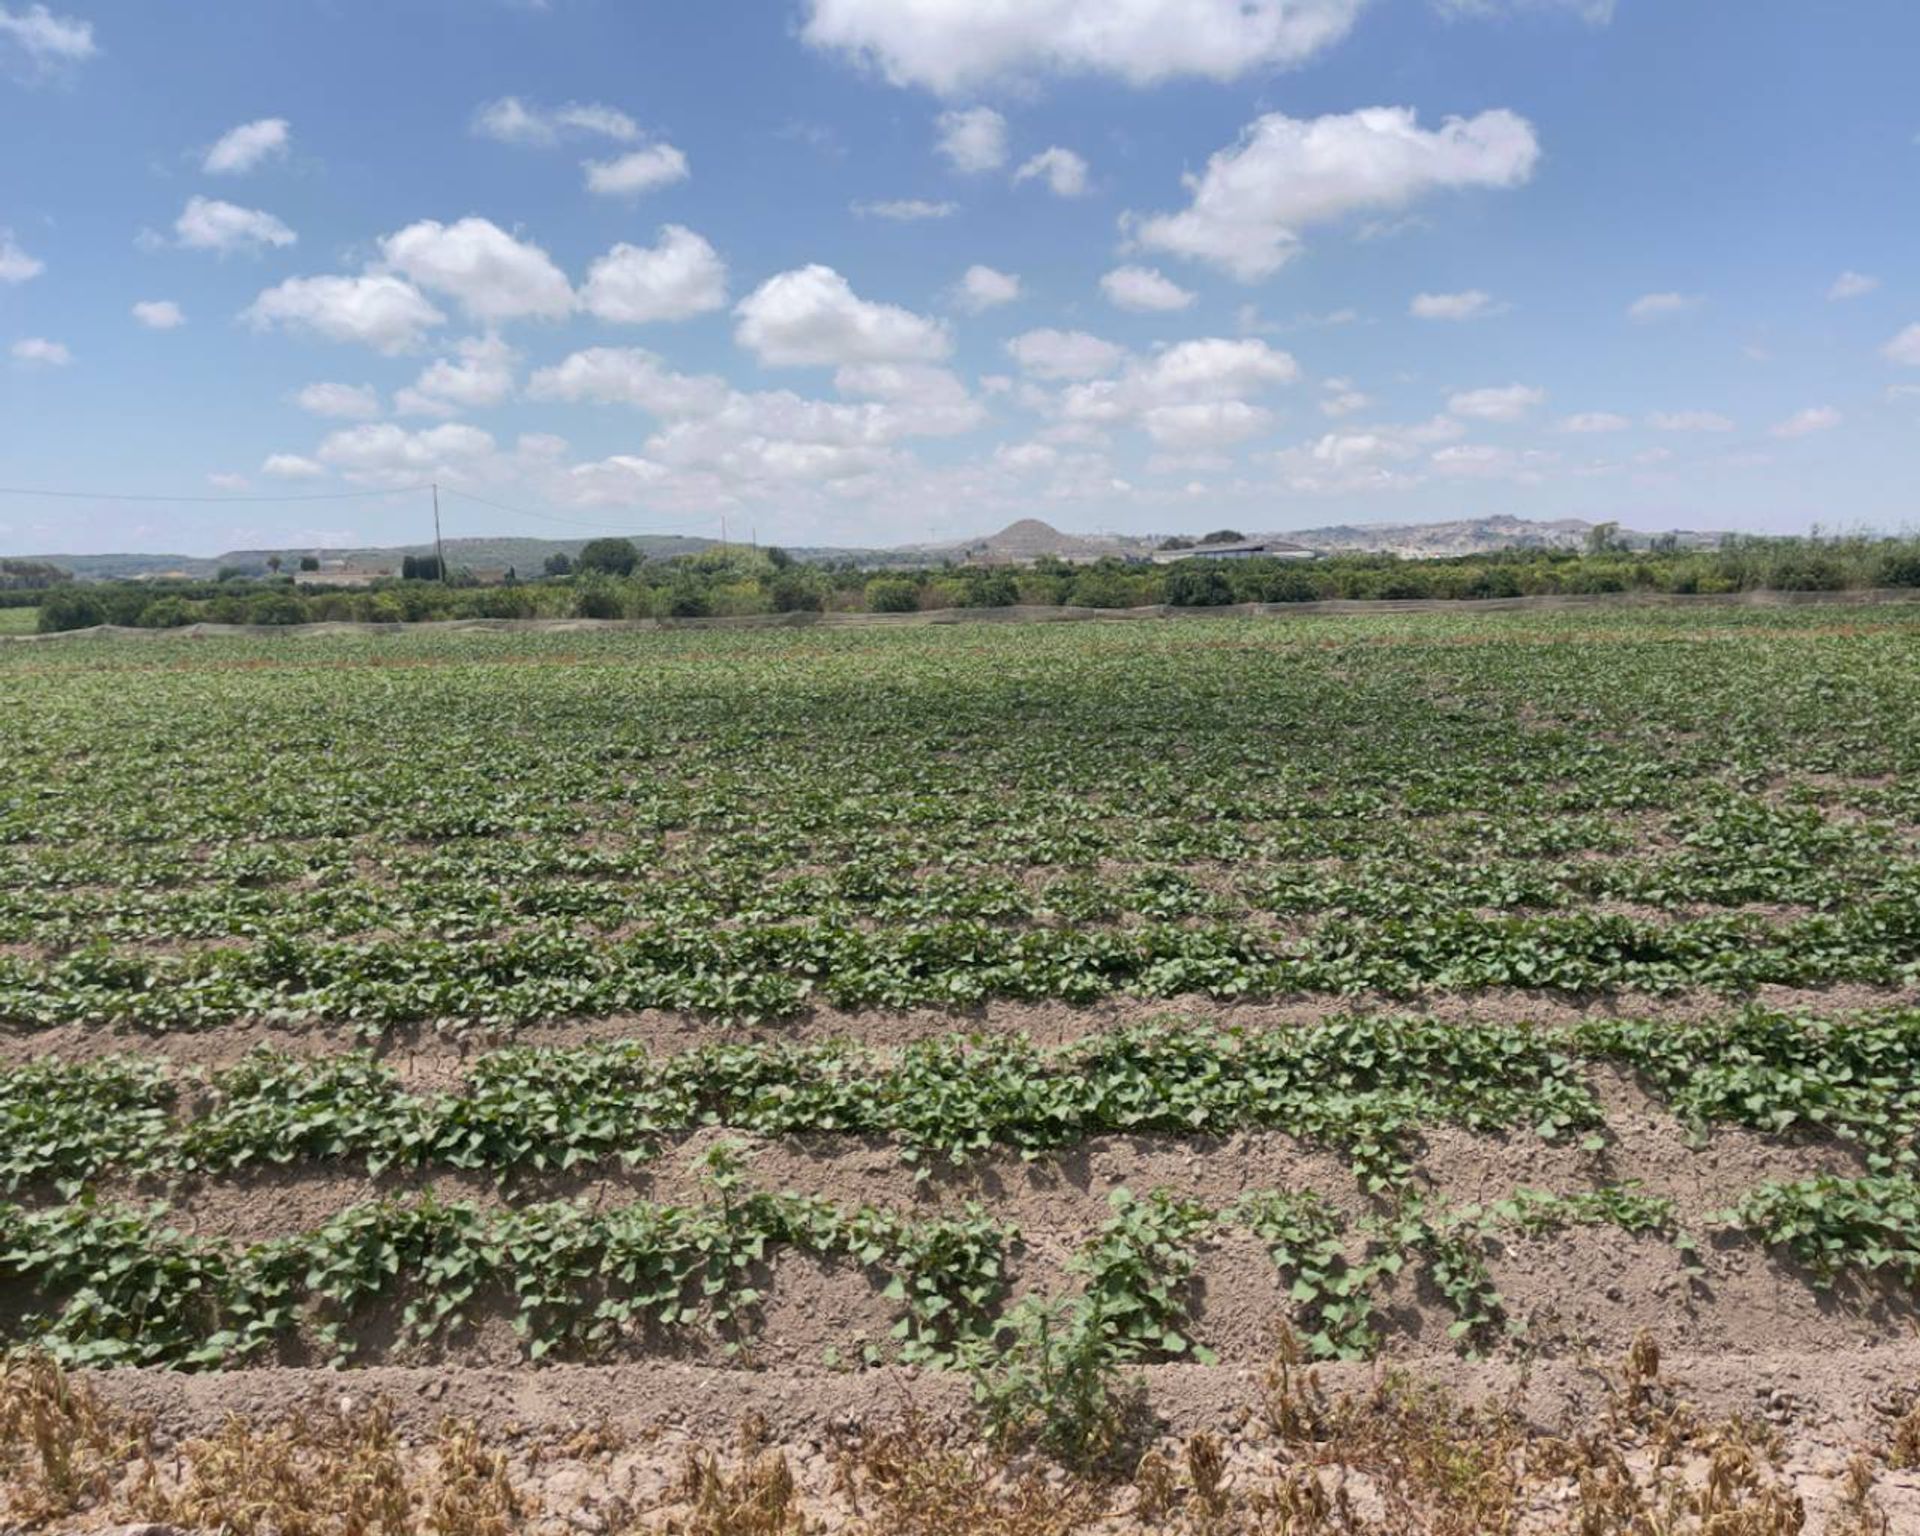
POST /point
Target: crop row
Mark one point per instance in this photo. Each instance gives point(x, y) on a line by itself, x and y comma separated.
point(1359, 1085)
point(116, 1285)
point(549, 971)
point(1306, 869)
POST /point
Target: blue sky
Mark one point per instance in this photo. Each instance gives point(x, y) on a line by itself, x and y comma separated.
point(852, 271)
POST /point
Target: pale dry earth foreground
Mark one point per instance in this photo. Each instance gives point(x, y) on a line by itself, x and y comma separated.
point(1422, 1073)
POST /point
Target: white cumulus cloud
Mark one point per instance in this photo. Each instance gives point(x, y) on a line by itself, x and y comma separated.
point(239, 150)
point(680, 276)
point(644, 170)
point(43, 40)
point(1508, 403)
point(1286, 174)
point(905, 210)
point(207, 224)
point(1470, 305)
point(1064, 172)
point(382, 453)
point(1816, 418)
point(513, 121)
point(1144, 290)
point(16, 266)
point(812, 317)
point(378, 310)
point(1595, 421)
point(949, 46)
point(38, 352)
point(1852, 285)
point(480, 374)
point(352, 402)
point(1904, 348)
point(159, 314)
point(291, 466)
point(628, 376)
point(1689, 421)
point(972, 141)
point(1661, 306)
point(983, 288)
point(493, 276)
point(1051, 354)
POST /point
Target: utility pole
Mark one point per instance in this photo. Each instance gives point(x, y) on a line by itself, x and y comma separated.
point(439, 549)
point(723, 533)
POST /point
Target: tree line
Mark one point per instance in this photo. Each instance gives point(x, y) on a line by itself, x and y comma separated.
point(611, 579)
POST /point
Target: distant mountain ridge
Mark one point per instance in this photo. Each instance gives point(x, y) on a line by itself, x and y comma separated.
point(1019, 542)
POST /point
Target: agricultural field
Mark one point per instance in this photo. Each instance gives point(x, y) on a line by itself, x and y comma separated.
point(1004, 1078)
point(19, 621)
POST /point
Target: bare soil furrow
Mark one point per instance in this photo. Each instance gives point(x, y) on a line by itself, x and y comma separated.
point(433, 1055)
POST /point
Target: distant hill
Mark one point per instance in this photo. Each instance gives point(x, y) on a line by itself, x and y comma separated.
point(1473, 536)
point(1018, 543)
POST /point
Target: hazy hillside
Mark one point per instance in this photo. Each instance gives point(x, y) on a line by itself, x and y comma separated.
point(1025, 540)
point(1473, 536)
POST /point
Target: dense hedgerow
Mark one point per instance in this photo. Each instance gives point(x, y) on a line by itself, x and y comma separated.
point(616, 584)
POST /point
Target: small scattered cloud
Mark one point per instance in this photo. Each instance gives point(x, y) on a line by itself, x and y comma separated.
point(510, 120)
point(811, 317)
point(904, 210)
point(1144, 290)
point(984, 288)
point(1817, 418)
point(1342, 399)
point(35, 42)
point(494, 276)
point(1661, 306)
point(1473, 304)
point(349, 402)
point(291, 466)
point(159, 314)
point(38, 352)
point(1250, 205)
point(1595, 421)
point(378, 310)
point(1851, 285)
point(1509, 402)
point(1904, 349)
point(1064, 172)
point(16, 266)
point(1051, 354)
point(642, 171)
point(242, 149)
point(207, 224)
point(678, 277)
point(954, 46)
point(972, 141)
point(1689, 421)
point(222, 480)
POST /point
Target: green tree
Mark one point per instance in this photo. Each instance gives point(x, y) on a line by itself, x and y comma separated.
point(166, 613)
point(1198, 585)
point(70, 609)
point(892, 594)
point(610, 557)
point(559, 563)
point(596, 600)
